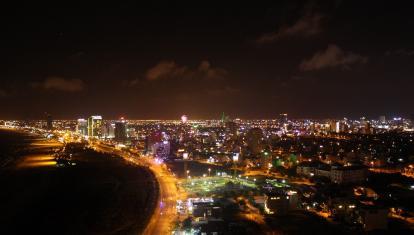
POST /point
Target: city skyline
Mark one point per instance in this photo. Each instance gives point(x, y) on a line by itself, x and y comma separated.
point(310, 59)
point(207, 117)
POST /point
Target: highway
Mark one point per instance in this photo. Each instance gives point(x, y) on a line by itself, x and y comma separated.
point(164, 215)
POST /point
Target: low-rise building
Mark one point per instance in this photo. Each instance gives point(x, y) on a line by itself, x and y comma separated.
point(281, 202)
point(314, 169)
point(348, 174)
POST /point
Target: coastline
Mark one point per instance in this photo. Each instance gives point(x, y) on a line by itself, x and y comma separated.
point(100, 189)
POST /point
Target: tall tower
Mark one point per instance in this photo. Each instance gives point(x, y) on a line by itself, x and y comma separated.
point(121, 130)
point(49, 122)
point(82, 127)
point(94, 126)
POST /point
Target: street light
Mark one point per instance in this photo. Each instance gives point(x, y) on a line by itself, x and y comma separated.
point(209, 170)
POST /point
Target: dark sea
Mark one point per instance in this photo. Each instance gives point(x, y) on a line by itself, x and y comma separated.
point(101, 194)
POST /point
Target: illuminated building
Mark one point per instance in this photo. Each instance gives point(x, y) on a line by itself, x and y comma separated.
point(161, 149)
point(82, 127)
point(337, 126)
point(131, 133)
point(121, 130)
point(397, 122)
point(281, 201)
point(95, 126)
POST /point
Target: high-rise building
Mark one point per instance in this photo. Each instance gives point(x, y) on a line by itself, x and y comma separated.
point(382, 119)
point(82, 127)
point(108, 130)
point(338, 126)
point(49, 121)
point(121, 130)
point(332, 126)
point(95, 126)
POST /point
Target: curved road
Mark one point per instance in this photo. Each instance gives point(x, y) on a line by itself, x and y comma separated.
point(165, 214)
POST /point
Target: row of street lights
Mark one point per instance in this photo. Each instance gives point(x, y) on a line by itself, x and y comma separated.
point(189, 177)
point(209, 175)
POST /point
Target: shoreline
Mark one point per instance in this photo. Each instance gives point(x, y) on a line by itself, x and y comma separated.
point(134, 188)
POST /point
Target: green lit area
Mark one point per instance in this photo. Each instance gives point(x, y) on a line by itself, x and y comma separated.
point(276, 183)
point(214, 185)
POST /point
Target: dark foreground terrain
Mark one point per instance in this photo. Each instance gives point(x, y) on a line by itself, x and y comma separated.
point(101, 194)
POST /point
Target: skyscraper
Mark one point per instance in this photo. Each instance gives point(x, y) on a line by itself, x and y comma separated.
point(94, 126)
point(108, 130)
point(121, 130)
point(82, 126)
point(49, 122)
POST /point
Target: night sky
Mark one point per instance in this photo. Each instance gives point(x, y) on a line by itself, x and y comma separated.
point(311, 59)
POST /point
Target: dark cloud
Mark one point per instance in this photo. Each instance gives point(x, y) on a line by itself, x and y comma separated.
point(333, 56)
point(61, 84)
point(132, 83)
point(165, 69)
point(308, 25)
point(170, 69)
